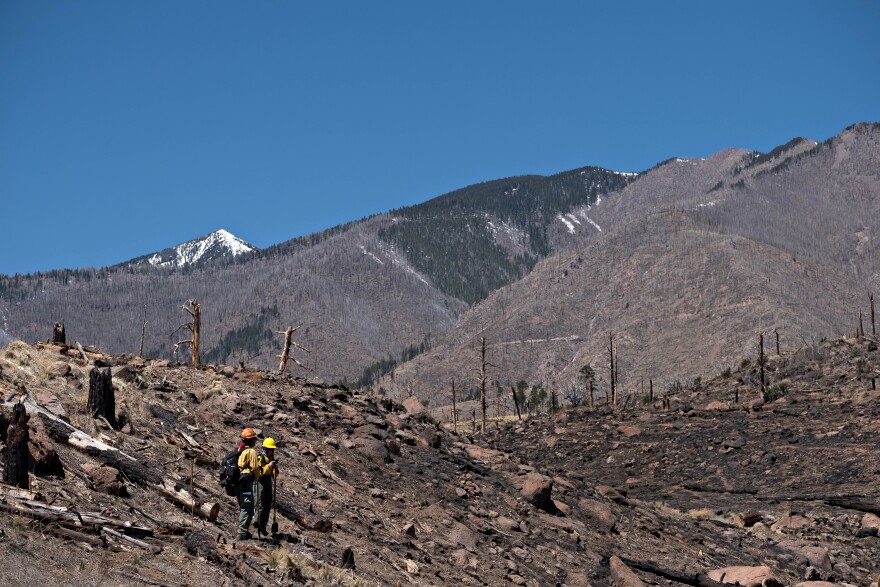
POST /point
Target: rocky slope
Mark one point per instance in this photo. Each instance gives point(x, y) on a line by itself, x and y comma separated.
point(665, 493)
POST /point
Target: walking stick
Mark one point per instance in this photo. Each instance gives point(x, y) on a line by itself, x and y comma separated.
point(274, 509)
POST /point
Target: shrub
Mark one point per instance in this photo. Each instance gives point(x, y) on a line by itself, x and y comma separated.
point(774, 392)
point(745, 363)
point(726, 373)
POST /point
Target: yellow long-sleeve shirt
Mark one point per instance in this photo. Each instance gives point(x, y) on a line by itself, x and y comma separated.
point(249, 463)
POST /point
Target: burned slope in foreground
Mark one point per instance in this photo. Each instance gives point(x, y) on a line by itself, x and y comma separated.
point(577, 499)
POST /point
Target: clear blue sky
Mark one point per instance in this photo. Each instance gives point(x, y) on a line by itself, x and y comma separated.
point(129, 126)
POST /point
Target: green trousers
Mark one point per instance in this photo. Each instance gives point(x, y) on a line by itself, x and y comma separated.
point(246, 501)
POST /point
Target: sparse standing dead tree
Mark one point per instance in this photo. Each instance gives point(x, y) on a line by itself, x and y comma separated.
point(776, 332)
point(58, 335)
point(613, 371)
point(515, 403)
point(483, 365)
point(194, 309)
point(285, 351)
point(143, 332)
point(761, 359)
point(15, 462)
point(454, 408)
point(102, 398)
point(873, 323)
point(860, 331)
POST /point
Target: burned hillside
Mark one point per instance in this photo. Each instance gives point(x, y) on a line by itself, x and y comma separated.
point(372, 492)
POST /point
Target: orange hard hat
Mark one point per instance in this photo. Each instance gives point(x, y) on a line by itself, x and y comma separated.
point(248, 433)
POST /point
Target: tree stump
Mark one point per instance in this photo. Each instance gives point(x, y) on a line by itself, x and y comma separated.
point(15, 460)
point(102, 401)
point(58, 336)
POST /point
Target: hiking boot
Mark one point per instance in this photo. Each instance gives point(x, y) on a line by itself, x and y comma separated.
point(245, 536)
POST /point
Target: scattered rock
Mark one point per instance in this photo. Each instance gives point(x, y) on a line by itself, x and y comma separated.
point(623, 576)
point(59, 369)
point(597, 515)
point(761, 576)
point(106, 479)
point(792, 522)
point(413, 406)
point(537, 489)
point(629, 431)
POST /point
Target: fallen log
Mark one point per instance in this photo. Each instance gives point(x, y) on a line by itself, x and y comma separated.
point(867, 506)
point(62, 532)
point(291, 508)
point(18, 493)
point(169, 489)
point(62, 515)
point(130, 540)
point(131, 468)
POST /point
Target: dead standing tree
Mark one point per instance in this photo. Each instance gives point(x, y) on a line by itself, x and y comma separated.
point(102, 398)
point(58, 335)
point(483, 365)
point(454, 408)
point(285, 351)
point(15, 461)
point(194, 309)
point(613, 370)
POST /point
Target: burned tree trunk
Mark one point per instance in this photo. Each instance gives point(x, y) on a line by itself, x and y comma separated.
point(285, 352)
point(102, 399)
point(195, 311)
point(873, 323)
point(613, 372)
point(516, 403)
point(15, 462)
point(58, 335)
point(483, 385)
point(454, 408)
point(761, 361)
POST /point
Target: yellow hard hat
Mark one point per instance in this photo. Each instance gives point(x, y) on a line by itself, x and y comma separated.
point(269, 443)
point(248, 433)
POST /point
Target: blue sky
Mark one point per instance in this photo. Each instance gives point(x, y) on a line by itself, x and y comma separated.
point(126, 127)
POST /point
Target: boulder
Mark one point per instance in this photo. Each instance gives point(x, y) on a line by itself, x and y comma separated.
point(597, 515)
point(106, 479)
point(59, 369)
point(871, 521)
point(371, 448)
point(629, 431)
point(623, 576)
point(413, 406)
point(51, 402)
point(746, 576)
point(792, 522)
point(536, 490)
point(715, 405)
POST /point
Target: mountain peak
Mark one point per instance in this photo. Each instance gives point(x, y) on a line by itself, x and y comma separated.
point(219, 244)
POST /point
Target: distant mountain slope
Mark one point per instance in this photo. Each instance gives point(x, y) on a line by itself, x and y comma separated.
point(217, 245)
point(686, 275)
point(476, 239)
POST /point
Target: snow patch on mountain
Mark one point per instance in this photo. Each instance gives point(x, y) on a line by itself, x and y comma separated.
point(370, 254)
point(218, 244)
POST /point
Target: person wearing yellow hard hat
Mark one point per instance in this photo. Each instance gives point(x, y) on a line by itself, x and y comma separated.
point(268, 466)
point(248, 481)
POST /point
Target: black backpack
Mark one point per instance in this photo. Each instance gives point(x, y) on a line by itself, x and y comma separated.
point(229, 474)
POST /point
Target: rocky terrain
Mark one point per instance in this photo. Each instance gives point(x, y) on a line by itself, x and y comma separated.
point(717, 483)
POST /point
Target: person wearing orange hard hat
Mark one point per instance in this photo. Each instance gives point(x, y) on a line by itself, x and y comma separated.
point(249, 475)
point(263, 494)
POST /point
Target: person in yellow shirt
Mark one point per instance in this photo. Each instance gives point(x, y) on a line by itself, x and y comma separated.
point(263, 494)
point(248, 477)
